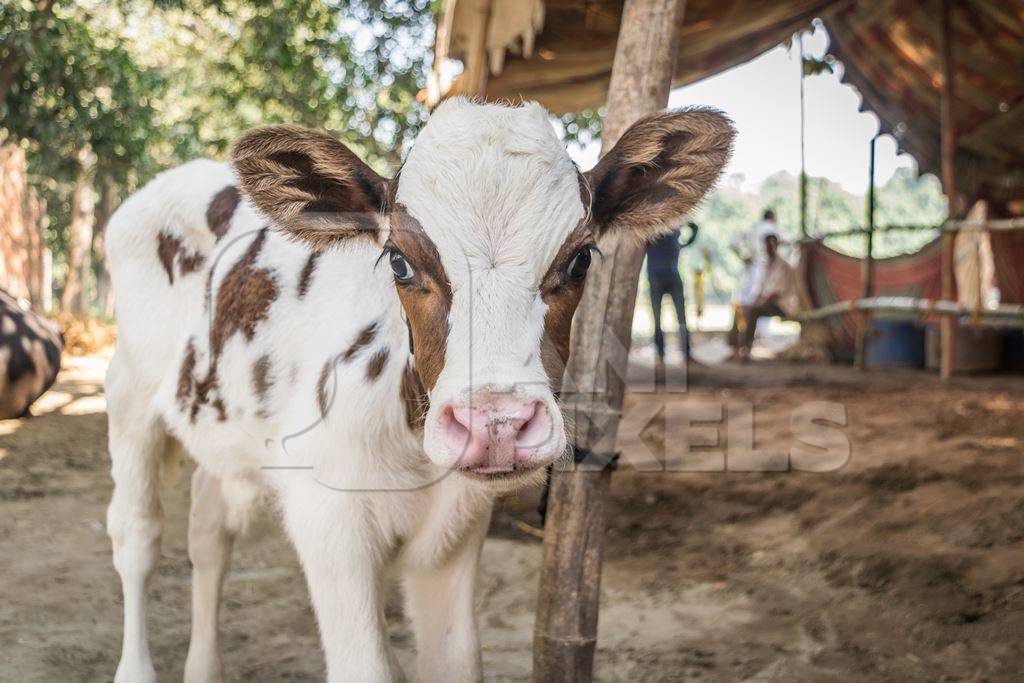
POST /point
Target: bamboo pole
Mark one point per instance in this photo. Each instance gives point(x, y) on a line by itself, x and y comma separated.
point(868, 267)
point(565, 634)
point(1003, 315)
point(987, 225)
point(947, 326)
point(1001, 224)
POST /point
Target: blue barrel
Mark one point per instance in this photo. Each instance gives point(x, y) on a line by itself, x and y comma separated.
point(896, 343)
point(1013, 350)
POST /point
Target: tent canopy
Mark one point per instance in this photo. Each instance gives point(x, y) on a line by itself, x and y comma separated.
point(560, 52)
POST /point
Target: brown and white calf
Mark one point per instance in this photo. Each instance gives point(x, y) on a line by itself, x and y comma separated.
point(30, 348)
point(378, 355)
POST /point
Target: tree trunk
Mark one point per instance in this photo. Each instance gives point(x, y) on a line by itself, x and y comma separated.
point(75, 298)
point(565, 634)
point(15, 241)
point(100, 268)
point(40, 288)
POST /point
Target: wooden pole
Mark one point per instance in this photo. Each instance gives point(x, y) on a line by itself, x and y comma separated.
point(868, 269)
point(565, 634)
point(803, 143)
point(947, 326)
point(476, 51)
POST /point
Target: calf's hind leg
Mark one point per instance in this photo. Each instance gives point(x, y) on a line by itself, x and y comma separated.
point(134, 517)
point(210, 538)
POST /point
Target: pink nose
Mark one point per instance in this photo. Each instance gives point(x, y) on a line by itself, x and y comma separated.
point(497, 435)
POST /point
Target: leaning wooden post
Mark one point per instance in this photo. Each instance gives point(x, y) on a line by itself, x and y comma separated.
point(565, 634)
point(947, 325)
point(868, 271)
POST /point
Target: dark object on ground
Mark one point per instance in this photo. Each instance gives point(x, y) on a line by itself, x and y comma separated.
point(30, 348)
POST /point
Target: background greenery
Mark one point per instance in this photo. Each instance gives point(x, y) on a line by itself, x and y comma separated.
point(906, 199)
point(146, 84)
point(142, 85)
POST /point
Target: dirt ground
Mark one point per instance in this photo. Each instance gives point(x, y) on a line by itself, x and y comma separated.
point(908, 563)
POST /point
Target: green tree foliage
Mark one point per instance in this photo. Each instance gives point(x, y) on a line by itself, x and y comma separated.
point(583, 127)
point(351, 68)
point(72, 87)
point(148, 84)
point(906, 199)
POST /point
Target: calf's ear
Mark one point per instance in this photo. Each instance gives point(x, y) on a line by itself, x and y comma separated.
point(658, 171)
point(309, 184)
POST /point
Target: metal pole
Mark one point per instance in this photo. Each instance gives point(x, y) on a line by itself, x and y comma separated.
point(868, 268)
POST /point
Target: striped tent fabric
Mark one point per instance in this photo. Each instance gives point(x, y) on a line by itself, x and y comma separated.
point(832, 277)
point(1008, 255)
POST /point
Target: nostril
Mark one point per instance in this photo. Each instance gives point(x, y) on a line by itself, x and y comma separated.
point(536, 428)
point(455, 429)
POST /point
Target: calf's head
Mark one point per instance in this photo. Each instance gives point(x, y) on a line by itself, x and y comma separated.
point(489, 229)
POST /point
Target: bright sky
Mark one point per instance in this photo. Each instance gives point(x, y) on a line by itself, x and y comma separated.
point(763, 99)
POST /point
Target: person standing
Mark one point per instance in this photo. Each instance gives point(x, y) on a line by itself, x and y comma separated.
point(663, 279)
point(749, 248)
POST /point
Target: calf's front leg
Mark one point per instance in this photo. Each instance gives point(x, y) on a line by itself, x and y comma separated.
point(209, 547)
point(344, 559)
point(440, 603)
point(135, 523)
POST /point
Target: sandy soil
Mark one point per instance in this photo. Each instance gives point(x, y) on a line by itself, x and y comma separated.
point(906, 564)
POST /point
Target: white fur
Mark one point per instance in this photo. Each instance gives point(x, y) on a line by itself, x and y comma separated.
point(498, 195)
point(358, 494)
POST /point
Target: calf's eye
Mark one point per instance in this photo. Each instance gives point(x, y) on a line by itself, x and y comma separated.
point(580, 264)
point(400, 267)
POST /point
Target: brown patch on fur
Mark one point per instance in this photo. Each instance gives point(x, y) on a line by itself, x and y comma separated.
point(200, 392)
point(376, 364)
point(190, 263)
point(426, 300)
point(261, 383)
point(306, 276)
point(659, 169)
point(171, 250)
point(166, 249)
point(309, 184)
point(374, 368)
point(243, 302)
point(362, 340)
point(415, 398)
point(562, 295)
point(221, 210)
point(321, 386)
point(243, 298)
point(204, 388)
point(218, 405)
point(186, 376)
